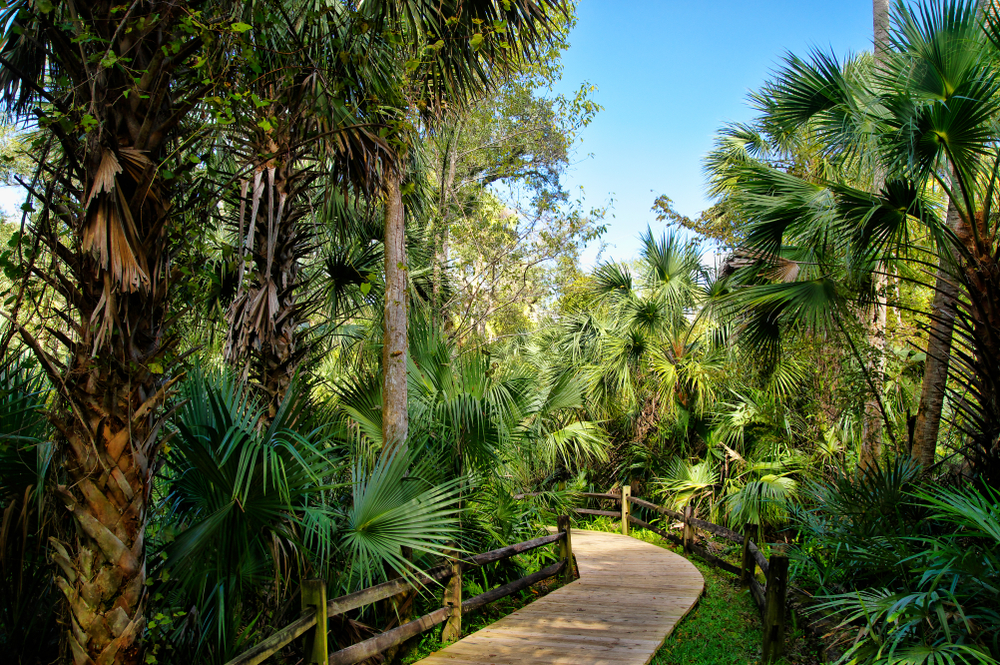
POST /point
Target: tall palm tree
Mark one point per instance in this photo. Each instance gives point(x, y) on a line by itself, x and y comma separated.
point(106, 93)
point(933, 123)
point(298, 146)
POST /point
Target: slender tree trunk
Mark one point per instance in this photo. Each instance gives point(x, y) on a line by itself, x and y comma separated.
point(942, 323)
point(441, 239)
point(395, 421)
point(872, 426)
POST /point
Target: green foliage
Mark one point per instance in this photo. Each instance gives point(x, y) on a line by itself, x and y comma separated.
point(941, 606)
point(246, 505)
point(396, 508)
point(28, 598)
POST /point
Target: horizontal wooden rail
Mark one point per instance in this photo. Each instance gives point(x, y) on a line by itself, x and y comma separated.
point(353, 601)
point(714, 560)
point(599, 495)
point(510, 550)
point(654, 529)
point(275, 643)
point(720, 531)
point(390, 638)
point(605, 513)
point(365, 650)
point(659, 509)
point(476, 602)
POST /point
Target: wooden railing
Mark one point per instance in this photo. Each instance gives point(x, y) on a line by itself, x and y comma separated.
point(771, 598)
point(312, 625)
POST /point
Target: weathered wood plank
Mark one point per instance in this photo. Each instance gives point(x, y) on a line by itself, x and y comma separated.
point(364, 650)
point(759, 557)
point(720, 531)
point(714, 560)
point(659, 509)
point(758, 594)
point(598, 495)
point(510, 550)
point(272, 645)
point(646, 525)
point(476, 602)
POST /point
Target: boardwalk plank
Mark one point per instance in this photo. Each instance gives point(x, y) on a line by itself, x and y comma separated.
point(628, 599)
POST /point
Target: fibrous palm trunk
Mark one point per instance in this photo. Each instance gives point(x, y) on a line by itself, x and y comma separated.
point(105, 220)
point(115, 282)
point(267, 313)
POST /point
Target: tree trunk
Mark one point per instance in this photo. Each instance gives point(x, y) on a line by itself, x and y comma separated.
point(441, 237)
point(394, 347)
point(264, 317)
point(111, 388)
point(932, 389)
point(871, 438)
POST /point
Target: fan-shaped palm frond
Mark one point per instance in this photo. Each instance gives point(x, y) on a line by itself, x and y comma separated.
point(395, 507)
point(687, 483)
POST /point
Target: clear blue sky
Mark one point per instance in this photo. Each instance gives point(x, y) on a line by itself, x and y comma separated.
point(669, 74)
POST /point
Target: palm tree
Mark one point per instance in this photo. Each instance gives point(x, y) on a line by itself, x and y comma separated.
point(106, 93)
point(653, 335)
point(297, 147)
point(932, 120)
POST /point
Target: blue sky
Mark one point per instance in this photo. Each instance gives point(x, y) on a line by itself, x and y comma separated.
point(669, 74)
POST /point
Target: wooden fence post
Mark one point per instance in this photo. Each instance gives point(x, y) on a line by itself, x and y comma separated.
point(314, 595)
point(453, 598)
point(566, 548)
point(747, 564)
point(626, 493)
point(688, 529)
point(774, 607)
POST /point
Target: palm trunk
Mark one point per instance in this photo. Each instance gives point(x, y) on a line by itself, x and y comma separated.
point(111, 386)
point(872, 426)
point(265, 315)
point(942, 323)
point(394, 347)
point(105, 223)
point(981, 321)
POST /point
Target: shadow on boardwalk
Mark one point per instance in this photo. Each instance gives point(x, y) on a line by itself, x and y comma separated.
point(629, 597)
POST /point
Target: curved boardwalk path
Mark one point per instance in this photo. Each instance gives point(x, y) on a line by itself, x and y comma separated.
point(629, 597)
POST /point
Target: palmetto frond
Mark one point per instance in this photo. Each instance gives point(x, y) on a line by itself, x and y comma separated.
point(238, 489)
point(395, 507)
point(687, 483)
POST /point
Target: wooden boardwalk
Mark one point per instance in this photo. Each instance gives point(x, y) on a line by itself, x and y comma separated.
point(629, 597)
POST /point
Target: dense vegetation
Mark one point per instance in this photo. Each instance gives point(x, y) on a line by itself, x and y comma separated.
point(297, 292)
